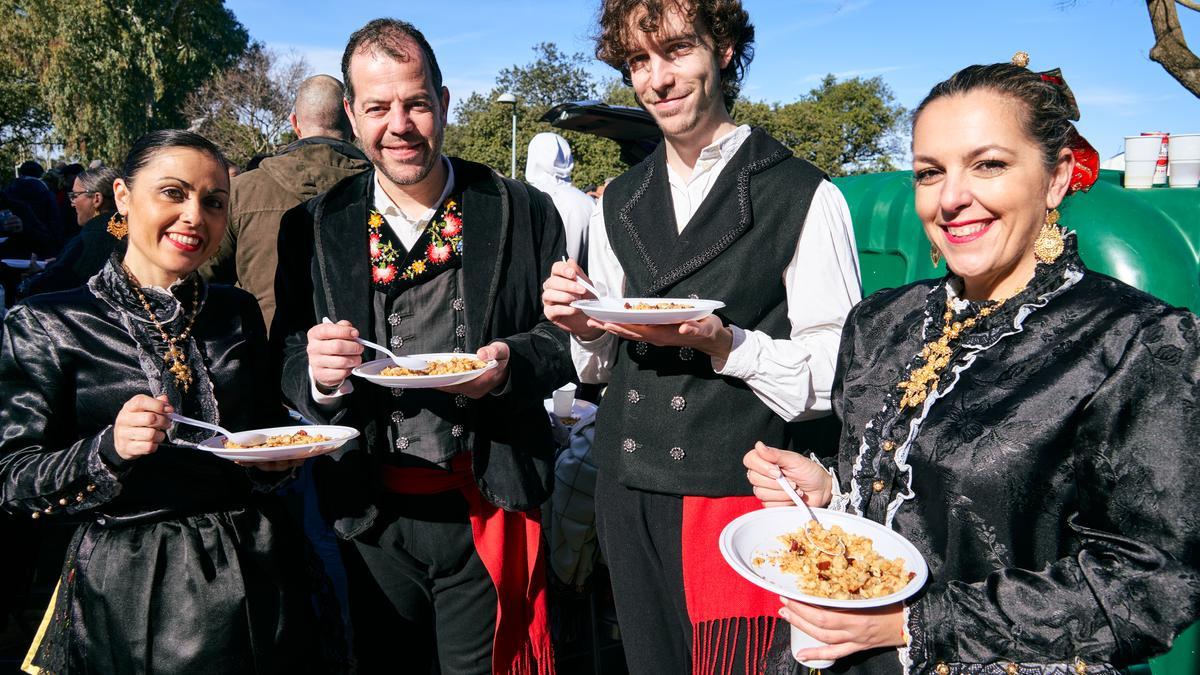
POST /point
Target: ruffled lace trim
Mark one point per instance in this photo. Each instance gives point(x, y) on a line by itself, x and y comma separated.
point(111, 286)
point(1049, 282)
point(839, 501)
point(903, 653)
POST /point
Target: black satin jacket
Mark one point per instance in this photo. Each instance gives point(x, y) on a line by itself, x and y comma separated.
point(179, 563)
point(67, 365)
point(1049, 482)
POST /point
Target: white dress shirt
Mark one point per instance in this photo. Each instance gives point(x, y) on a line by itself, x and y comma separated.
point(793, 376)
point(408, 230)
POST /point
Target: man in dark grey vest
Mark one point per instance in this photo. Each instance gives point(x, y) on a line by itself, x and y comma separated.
point(426, 253)
point(722, 212)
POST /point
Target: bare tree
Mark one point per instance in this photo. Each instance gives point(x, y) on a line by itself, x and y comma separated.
point(1170, 49)
point(245, 108)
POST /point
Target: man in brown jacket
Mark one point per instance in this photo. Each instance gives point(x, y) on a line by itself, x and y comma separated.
point(303, 170)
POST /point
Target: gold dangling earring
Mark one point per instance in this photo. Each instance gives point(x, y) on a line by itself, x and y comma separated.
point(117, 226)
point(934, 254)
point(1049, 243)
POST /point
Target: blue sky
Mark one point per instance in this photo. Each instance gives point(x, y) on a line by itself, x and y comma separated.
point(1101, 45)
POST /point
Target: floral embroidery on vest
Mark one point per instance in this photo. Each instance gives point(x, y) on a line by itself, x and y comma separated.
point(444, 234)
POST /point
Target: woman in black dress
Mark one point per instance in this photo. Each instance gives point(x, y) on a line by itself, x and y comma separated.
point(86, 253)
point(180, 562)
point(1027, 423)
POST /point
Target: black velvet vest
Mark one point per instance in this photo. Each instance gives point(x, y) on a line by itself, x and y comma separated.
point(426, 425)
point(669, 423)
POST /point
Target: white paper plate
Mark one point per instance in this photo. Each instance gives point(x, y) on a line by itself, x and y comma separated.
point(370, 372)
point(337, 435)
point(612, 310)
point(756, 534)
point(23, 263)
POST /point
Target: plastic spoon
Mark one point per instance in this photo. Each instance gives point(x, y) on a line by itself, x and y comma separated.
point(246, 438)
point(402, 361)
point(799, 639)
point(791, 492)
point(600, 297)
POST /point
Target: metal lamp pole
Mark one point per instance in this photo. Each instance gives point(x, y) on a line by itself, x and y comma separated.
point(511, 100)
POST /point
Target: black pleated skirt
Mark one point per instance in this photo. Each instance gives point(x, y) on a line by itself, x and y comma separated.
point(212, 592)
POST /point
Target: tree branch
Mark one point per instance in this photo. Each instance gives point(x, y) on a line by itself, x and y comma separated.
point(1170, 48)
point(1190, 4)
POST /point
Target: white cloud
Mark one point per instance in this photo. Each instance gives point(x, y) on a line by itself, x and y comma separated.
point(459, 39)
point(840, 10)
point(1123, 102)
point(857, 72)
point(321, 60)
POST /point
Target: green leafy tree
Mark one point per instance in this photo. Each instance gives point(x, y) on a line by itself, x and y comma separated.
point(553, 77)
point(617, 93)
point(110, 70)
point(852, 126)
point(24, 120)
point(483, 132)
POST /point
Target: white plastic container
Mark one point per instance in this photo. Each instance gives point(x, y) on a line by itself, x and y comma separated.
point(564, 400)
point(1184, 147)
point(1185, 173)
point(1139, 174)
point(1160, 169)
point(1142, 148)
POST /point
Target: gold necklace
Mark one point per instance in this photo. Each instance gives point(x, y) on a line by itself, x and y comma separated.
point(936, 354)
point(178, 360)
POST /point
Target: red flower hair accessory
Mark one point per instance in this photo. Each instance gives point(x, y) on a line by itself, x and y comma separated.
point(1087, 160)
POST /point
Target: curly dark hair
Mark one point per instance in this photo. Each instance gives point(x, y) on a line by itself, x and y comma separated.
point(1047, 110)
point(726, 21)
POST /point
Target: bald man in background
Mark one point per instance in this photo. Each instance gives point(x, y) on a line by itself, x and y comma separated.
point(322, 156)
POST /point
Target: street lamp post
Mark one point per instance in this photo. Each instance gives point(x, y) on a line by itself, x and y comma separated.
point(511, 100)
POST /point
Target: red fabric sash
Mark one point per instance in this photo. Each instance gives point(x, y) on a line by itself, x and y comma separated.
point(510, 545)
point(721, 605)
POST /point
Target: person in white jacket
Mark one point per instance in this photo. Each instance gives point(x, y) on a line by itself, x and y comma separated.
point(548, 166)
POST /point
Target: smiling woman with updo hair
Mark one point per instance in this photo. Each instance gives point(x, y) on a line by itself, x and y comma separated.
point(181, 562)
point(1027, 423)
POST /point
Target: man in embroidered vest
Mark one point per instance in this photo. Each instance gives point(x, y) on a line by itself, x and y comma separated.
point(723, 212)
point(425, 253)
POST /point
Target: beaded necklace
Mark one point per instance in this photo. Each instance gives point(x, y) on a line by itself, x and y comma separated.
point(924, 378)
point(178, 360)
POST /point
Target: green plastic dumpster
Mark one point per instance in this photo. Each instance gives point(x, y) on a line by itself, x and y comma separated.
point(1149, 239)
